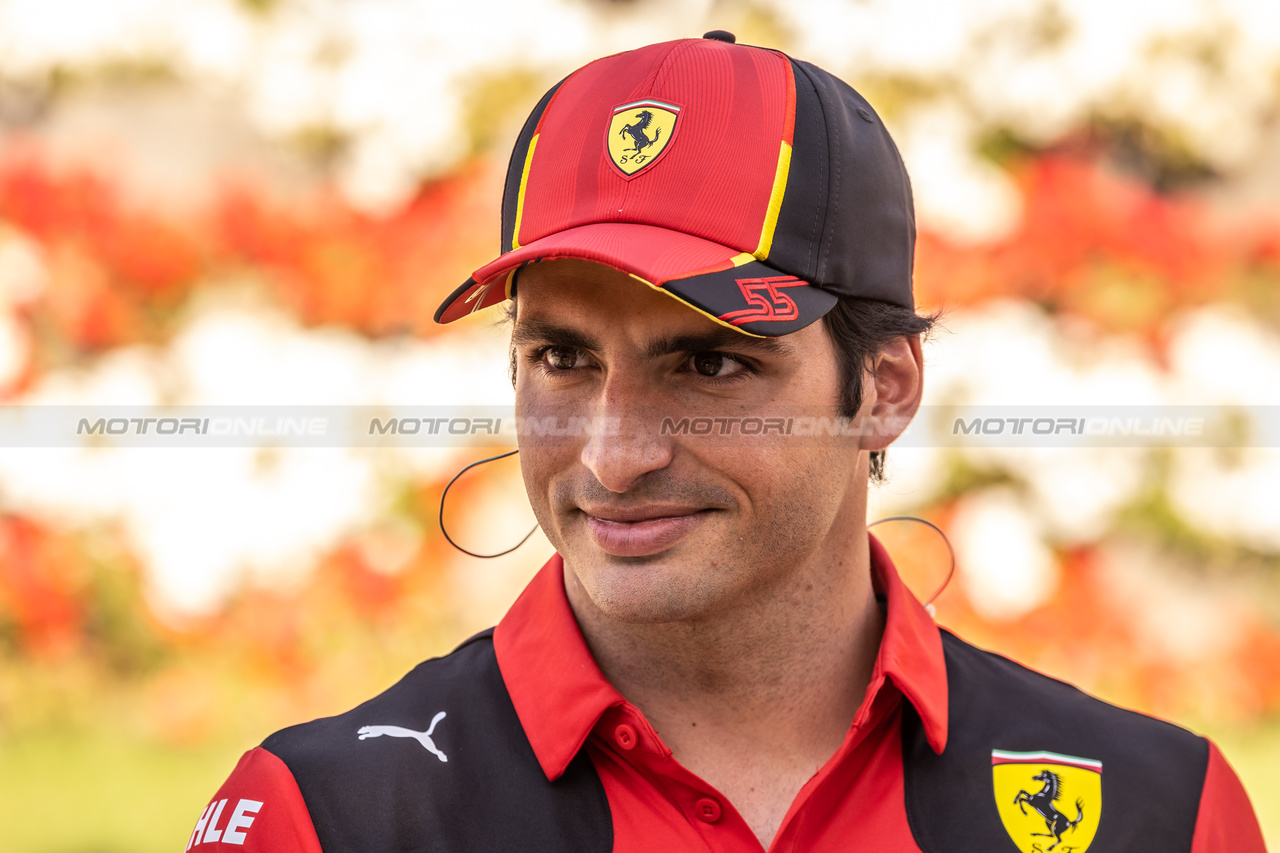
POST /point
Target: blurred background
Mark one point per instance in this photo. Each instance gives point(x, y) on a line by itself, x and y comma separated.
point(236, 202)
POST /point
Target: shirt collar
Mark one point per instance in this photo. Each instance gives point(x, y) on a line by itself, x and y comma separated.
point(910, 651)
point(560, 694)
point(558, 690)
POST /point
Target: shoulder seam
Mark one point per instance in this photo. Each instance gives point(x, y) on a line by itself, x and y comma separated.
point(946, 634)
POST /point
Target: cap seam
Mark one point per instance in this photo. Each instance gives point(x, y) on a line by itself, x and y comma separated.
point(660, 72)
point(809, 188)
point(834, 194)
point(651, 83)
point(909, 205)
point(820, 125)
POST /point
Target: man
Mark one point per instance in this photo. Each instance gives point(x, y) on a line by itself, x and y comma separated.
point(718, 657)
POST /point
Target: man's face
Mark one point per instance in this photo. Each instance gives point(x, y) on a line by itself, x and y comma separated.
point(675, 527)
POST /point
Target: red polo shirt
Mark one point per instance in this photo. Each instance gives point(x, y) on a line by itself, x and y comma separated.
point(853, 801)
point(659, 805)
point(564, 701)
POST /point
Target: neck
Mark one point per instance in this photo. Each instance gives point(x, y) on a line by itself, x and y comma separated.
point(755, 697)
point(793, 659)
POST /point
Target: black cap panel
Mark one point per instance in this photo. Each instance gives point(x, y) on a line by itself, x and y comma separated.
point(868, 245)
point(802, 217)
point(755, 298)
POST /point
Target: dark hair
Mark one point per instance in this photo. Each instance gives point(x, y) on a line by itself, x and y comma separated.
point(860, 329)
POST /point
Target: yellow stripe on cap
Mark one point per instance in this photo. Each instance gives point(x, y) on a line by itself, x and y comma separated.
point(524, 181)
point(775, 202)
point(688, 304)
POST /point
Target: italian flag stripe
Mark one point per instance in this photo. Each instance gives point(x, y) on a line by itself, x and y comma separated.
point(1000, 756)
point(649, 103)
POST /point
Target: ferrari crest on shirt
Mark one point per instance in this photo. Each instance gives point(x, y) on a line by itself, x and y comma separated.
point(639, 132)
point(1048, 802)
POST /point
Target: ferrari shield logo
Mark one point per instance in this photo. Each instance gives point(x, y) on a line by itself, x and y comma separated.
point(1047, 801)
point(639, 132)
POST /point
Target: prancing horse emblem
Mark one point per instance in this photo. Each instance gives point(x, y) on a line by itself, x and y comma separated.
point(639, 132)
point(1039, 818)
point(423, 738)
point(1043, 802)
point(636, 132)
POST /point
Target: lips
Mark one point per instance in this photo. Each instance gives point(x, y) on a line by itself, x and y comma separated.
point(640, 531)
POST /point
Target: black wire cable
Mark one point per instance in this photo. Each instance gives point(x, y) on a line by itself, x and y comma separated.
point(951, 571)
point(445, 494)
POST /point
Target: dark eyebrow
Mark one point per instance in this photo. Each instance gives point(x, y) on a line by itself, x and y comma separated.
point(546, 332)
point(718, 339)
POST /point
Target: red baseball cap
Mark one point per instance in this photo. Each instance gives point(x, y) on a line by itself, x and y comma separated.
point(753, 187)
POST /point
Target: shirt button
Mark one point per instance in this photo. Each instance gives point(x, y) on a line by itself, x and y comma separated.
point(707, 809)
point(625, 736)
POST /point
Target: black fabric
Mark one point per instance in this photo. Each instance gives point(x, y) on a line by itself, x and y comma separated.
point(386, 793)
point(802, 217)
point(1152, 771)
point(789, 307)
point(515, 168)
point(868, 249)
point(850, 182)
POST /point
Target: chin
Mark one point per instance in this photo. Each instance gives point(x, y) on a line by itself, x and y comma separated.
point(648, 590)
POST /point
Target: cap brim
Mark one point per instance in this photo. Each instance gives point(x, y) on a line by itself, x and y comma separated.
point(729, 287)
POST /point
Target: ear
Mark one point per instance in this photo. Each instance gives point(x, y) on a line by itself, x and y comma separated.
point(891, 392)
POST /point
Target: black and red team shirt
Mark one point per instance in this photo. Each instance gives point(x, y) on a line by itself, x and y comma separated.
point(427, 762)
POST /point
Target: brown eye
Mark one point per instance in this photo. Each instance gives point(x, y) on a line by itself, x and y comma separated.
point(561, 358)
point(712, 363)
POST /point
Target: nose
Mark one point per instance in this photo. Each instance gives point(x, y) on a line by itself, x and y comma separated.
point(626, 441)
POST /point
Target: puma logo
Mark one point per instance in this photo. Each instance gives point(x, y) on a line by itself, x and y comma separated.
point(423, 738)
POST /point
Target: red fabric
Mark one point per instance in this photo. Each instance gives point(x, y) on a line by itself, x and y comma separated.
point(656, 803)
point(1226, 821)
point(789, 129)
point(259, 808)
point(700, 203)
point(702, 174)
point(654, 254)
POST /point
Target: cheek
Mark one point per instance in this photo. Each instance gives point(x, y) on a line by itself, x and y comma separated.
point(536, 475)
point(796, 494)
point(548, 449)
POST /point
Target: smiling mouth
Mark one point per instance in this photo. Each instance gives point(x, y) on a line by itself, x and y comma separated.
point(642, 533)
